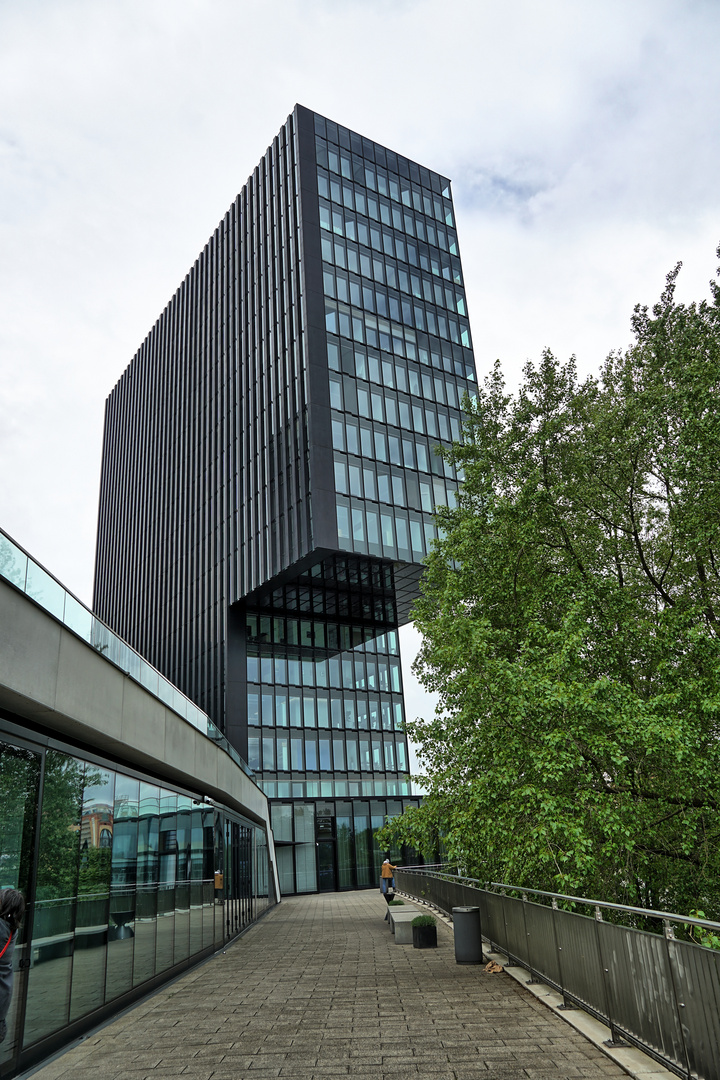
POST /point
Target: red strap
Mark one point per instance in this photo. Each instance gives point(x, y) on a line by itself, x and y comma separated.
point(6, 945)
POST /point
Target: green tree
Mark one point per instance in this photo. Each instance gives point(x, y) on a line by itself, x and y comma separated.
point(569, 616)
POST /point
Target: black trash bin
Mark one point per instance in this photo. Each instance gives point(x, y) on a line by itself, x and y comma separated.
point(468, 939)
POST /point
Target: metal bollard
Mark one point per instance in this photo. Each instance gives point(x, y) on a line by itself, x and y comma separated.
point(468, 939)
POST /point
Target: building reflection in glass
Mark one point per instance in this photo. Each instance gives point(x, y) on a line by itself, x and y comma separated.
point(131, 880)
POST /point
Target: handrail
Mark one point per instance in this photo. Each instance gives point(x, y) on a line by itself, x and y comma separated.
point(651, 913)
point(653, 990)
point(31, 578)
point(129, 886)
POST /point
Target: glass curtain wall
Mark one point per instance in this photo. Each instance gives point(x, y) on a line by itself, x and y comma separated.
point(125, 880)
point(326, 717)
point(324, 685)
point(398, 341)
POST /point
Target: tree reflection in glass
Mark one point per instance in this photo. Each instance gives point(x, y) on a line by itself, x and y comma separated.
point(48, 998)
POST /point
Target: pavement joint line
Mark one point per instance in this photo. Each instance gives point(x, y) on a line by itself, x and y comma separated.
point(320, 988)
point(638, 1064)
point(634, 1061)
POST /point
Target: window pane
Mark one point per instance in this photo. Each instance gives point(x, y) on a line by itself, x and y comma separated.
point(343, 522)
point(282, 821)
point(295, 713)
point(148, 869)
point(309, 710)
point(57, 883)
point(92, 912)
point(122, 887)
point(325, 754)
point(311, 760)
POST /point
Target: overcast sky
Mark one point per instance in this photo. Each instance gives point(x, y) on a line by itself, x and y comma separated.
point(581, 137)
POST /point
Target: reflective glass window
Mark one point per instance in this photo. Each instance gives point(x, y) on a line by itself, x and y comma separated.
point(295, 711)
point(339, 754)
point(311, 758)
point(283, 762)
point(123, 901)
point(148, 869)
point(309, 710)
point(57, 880)
point(254, 751)
point(93, 896)
point(353, 763)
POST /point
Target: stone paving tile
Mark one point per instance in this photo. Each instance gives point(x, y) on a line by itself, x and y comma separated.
point(319, 989)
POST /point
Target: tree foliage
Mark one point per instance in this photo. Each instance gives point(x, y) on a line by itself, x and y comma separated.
point(570, 620)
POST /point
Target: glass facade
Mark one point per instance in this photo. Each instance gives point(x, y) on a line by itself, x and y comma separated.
point(270, 472)
point(130, 880)
point(398, 341)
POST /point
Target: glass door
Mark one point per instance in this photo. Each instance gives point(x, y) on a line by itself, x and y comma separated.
point(326, 866)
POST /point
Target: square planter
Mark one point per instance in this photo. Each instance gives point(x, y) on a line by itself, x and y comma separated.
point(424, 937)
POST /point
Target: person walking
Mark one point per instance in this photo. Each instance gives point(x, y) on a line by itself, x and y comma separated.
point(387, 876)
point(12, 907)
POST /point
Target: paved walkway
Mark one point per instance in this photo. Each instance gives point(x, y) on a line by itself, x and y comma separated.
point(318, 989)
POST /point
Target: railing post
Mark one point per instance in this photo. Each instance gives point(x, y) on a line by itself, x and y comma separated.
point(565, 1003)
point(668, 936)
point(503, 892)
point(532, 980)
point(614, 1039)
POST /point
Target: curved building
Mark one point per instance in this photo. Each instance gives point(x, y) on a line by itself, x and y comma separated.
point(135, 831)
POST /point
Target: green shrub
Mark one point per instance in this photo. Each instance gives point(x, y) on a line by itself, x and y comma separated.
point(395, 903)
point(424, 920)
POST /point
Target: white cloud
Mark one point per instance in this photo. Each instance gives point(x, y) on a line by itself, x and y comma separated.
point(580, 138)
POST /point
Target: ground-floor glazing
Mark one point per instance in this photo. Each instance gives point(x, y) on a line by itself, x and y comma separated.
point(128, 880)
point(326, 846)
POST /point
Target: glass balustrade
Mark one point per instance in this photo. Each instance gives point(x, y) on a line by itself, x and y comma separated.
point(24, 573)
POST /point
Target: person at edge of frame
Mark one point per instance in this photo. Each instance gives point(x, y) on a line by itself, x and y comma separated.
point(12, 908)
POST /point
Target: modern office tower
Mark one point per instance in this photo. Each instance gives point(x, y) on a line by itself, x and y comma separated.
point(269, 477)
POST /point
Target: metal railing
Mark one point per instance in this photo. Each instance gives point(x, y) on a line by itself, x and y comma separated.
point(17, 567)
point(652, 990)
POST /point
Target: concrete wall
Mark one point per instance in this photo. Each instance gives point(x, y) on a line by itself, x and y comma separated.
point(54, 678)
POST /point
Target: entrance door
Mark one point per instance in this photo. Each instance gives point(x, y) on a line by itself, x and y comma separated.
point(326, 866)
point(19, 779)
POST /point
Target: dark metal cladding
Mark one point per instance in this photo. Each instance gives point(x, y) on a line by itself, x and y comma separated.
point(269, 477)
